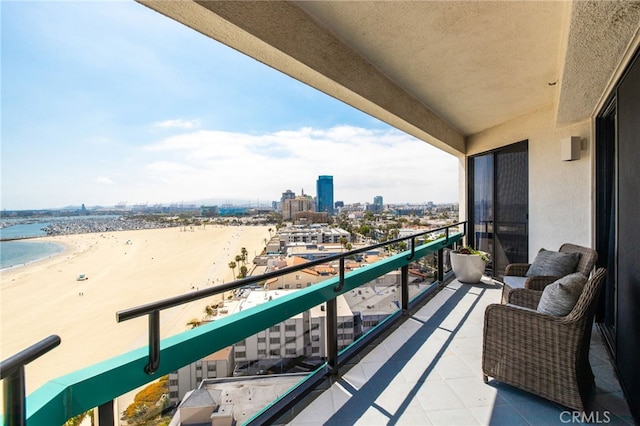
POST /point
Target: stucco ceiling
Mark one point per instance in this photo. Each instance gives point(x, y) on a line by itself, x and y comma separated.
point(440, 70)
point(476, 64)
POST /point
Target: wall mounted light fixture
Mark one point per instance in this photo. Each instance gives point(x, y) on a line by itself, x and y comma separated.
point(570, 148)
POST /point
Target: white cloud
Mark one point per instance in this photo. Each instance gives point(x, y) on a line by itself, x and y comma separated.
point(364, 163)
point(178, 124)
point(167, 167)
point(104, 180)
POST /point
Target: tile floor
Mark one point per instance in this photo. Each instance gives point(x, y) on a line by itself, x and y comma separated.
point(427, 371)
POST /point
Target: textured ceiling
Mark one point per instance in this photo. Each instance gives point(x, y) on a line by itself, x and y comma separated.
point(477, 64)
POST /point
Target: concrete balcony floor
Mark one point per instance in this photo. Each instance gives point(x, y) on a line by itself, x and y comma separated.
point(427, 371)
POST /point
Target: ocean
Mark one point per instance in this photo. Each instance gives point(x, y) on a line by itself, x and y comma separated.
point(14, 253)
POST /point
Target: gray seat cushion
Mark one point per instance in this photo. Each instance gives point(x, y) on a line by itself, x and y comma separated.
point(559, 297)
point(553, 263)
point(514, 282)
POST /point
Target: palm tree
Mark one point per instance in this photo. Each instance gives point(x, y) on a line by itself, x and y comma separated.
point(343, 242)
point(238, 259)
point(208, 311)
point(233, 265)
point(270, 231)
point(243, 272)
point(245, 254)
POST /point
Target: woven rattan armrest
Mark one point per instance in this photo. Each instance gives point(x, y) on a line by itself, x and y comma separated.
point(539, 282)
point(524, 297)
point(517, 269)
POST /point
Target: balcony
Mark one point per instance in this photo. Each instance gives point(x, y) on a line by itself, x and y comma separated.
point(469, 78)
point(427, 370)
point(420, 366)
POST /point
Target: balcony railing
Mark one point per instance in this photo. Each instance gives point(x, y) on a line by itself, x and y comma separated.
point(98, 385)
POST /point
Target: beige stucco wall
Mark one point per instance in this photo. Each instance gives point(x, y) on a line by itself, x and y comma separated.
point(560, 192)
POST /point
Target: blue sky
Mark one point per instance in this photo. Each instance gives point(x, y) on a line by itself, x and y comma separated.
point(105, 102)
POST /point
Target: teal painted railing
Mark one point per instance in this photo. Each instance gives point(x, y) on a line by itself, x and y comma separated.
point(67, 396)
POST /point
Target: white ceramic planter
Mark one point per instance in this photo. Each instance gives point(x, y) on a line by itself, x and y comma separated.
point(467, 267)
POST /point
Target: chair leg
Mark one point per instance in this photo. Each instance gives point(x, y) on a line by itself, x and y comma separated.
point(485, 378)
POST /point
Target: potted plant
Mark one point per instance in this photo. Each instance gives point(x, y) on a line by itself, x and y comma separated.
point(468, 264)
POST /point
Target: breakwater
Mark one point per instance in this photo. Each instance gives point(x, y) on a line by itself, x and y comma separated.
point(82, 225)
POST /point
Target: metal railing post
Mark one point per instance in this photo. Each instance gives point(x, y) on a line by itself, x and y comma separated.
point(105, 415)
point(154, 343)
point(342, 271)
point(404, 274)
point(440, 264)
point(15, 409)
point(13, 373)
point(413, 249)
point(332, 336)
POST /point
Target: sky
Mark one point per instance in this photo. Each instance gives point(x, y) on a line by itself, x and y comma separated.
point(105, 102)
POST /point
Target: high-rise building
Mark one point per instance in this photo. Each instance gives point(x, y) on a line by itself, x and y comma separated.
point(377, 205)
point(288, 195)
point(324, 194)
point(294, 205)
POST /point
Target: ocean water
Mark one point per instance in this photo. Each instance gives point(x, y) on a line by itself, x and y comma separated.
point(24, 230)
point(14, 253)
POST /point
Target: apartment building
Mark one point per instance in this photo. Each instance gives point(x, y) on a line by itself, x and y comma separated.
point(189, 377)
point(316, 234)
point(292, 206)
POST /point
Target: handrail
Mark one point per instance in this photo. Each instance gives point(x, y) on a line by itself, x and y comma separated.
point(29, 354)
point(170, 302)
point(153, 309)
point(66, 396)
point(12, 369)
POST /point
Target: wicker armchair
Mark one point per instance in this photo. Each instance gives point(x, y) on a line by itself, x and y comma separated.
point(588, 257)
point(543, 354)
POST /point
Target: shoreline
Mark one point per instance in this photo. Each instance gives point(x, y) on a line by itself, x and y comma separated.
point(28, 240)
point(124, 269)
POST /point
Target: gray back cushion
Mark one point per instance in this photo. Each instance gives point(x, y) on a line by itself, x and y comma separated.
point(559, 297)
point(553, 263)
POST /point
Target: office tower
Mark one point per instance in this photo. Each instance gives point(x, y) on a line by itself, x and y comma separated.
point(324, 194)
point(287, 195)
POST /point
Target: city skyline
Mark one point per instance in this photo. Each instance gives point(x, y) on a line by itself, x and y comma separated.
point(111, 102)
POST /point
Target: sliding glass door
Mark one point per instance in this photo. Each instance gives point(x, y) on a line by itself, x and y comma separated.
point(618, 225)
point(499, 205)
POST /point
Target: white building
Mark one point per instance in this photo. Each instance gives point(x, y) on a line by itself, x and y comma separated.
point(300, 335)
point(224, 402)
point(313, 234)
point(218, 364)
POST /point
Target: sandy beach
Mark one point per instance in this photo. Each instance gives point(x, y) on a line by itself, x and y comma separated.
point(124, 269)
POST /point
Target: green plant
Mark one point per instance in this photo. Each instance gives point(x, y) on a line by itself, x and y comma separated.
point(471, 250)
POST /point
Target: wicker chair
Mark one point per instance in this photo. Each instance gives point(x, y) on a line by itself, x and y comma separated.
point(543, 354)
point(588, 257)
